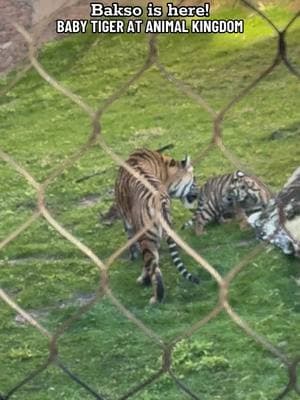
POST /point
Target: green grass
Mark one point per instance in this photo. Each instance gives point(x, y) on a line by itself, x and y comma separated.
point(47, 276)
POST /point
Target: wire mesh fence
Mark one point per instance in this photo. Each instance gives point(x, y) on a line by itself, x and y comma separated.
point(96, 138)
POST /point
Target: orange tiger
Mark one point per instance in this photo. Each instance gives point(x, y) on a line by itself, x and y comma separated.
point(139, 207)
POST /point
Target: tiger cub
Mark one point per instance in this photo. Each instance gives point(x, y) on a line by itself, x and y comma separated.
point(139, 207)
point(226, 196)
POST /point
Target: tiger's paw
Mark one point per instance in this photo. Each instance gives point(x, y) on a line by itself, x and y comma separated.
point(144, 280)
point(153, 300)
point(199, 231)
point(244, 226)
point(186, 225)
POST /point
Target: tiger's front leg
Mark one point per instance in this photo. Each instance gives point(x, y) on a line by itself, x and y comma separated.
point(199, 223)
point(222, 220)
point(188, 224)
point(151, 273)
point(199, 228)
point(242, 219)
point(203, 216)
point(196, 223)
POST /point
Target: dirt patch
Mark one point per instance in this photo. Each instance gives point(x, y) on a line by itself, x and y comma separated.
point(12, 45)
point(89, 200)
point(78, 300)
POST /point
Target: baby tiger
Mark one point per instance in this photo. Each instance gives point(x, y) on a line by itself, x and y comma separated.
point(236, 194)
point(139, 207)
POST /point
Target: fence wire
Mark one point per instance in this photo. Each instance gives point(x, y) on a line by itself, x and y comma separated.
point(96, 138)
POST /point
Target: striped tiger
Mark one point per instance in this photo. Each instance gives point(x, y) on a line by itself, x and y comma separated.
point(231, 195)
point(139, 207)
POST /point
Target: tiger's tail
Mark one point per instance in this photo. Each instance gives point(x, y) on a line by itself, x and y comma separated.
point(173, 248)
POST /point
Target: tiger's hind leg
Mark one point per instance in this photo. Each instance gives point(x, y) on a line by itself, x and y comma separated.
point(133, 248)
point(199, 223)
point(151, 272)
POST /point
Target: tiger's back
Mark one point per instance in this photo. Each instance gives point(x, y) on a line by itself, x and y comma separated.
point(135, 202)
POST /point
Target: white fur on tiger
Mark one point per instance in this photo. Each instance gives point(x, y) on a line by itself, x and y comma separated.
point(279, 223)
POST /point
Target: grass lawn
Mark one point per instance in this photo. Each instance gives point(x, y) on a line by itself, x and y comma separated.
point(50, 278)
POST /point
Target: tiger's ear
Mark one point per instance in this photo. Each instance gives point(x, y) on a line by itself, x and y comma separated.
point(237, 175)
point(186, 162)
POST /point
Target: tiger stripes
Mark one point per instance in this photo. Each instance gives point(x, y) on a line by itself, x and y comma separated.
point(231, 195)
point(139, 208)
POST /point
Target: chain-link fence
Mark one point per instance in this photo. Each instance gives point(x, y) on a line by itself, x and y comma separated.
point(96, 139)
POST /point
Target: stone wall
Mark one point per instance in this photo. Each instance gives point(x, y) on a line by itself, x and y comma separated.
point(33, 15)
point(12, 45)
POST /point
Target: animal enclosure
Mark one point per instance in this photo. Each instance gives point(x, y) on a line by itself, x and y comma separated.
point(74, 324)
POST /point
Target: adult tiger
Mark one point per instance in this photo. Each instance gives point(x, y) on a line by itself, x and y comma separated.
point(231, 195)
point(140, 207)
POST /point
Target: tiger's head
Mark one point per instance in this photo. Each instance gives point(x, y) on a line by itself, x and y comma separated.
point(179, 176)
point(245, 190)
